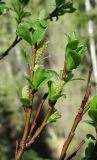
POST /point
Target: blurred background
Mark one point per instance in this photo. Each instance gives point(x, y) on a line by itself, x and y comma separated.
point(12, 70)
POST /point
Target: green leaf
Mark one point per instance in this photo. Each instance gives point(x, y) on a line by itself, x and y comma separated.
point(39, 76)
point(26, 57)
point(93, 114)
point(93, 103)
point(89, 152)
point(24, 15)
point(72, 60)
point(3, 9)
point(69, 77)
point(33, 25)
point(58, 2)
point(81, 50)
point(54, 74)
point(43, 23)
point(23, 32)
point(37, 35)
point(16, 6)
point(74, 53)
point(24, 2)
point(54, 117)
point(47, 79)
point(25, 101)
point(90, 136)
point(30, 82)
point(91, 122)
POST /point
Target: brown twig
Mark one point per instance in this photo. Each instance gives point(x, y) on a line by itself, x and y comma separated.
point(37, 115)
point(17, 145)
point(28, 110)
point(15, 42)
point(43, 125)
point(74, 153)
point(77, 118)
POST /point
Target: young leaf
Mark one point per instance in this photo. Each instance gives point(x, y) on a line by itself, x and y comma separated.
point(16, 6)
point(72, 60)
point(37, 35)
point(39, 76)
point(54, 117)
point(23, 32)
point(3, 9)
point(43, 23)
point(48, 77)
point(24, 2)
point(58, 2)
point(91, 122)
point(90, 136)
point(93, 103)
point(74, 53)
point(25, 102)
point(26, 57)
point(93, 114)
point(89, 152)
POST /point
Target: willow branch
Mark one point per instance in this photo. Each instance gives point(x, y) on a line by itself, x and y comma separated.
point(28, 110)
point(77, 118)
point(37, 115)
point(44, 123)
point(15, 42)
point(74, 153)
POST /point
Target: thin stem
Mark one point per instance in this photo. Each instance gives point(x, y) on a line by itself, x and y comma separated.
point(37, 115)
point(43, 125)
point(77, 118)
point(15, 42)
point(74, 153)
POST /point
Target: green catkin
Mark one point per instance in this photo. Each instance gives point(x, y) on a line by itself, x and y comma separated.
point(58, 85)
point(25, 92)
point(40, 53)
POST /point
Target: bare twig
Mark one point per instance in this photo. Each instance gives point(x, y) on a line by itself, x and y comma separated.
point(74, 153)
point(77, 118)
point(15, 42)
point(43, 125)
point(17, 145)
point(37, 115)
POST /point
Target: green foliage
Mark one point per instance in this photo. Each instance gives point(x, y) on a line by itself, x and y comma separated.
point(90, 149)
point(19, 10)
point(54, 117)
point(93, 112)
point(23, 32)
point(24, 2)
point(3, 9)
point(38, 31)
point(58, 2)
point(37, 35)
point(26, 57)
point(74, 53)
point(16, 6)
point(62, 7)
point(41, 77)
